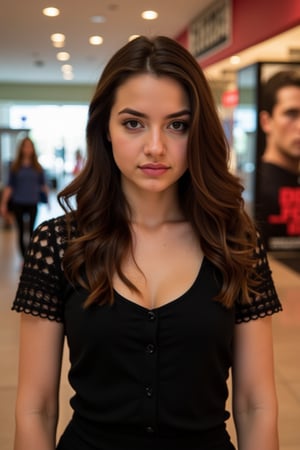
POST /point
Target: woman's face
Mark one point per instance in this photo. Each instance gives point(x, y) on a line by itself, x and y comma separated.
point(27, 149)
point(148, 130)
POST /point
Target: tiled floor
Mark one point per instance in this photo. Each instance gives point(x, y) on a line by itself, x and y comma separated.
point(286, 344)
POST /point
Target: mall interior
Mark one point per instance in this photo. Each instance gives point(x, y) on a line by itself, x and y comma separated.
point(47, 99)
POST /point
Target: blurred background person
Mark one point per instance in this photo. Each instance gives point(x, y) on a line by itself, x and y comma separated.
point(78, 162)
point(25, 187)
point(279, 170)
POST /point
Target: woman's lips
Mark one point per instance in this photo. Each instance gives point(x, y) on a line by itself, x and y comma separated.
point(154, 169)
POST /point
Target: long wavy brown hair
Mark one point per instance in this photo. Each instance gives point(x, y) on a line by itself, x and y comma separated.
point(210, 196)
point(18, 161)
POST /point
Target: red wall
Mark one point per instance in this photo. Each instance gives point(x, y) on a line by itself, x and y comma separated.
point(253, 21)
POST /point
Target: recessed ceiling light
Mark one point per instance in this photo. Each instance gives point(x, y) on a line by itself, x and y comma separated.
point(63, 56)
point(149, 15)
point(235, 59)
point(68, 75)
point(58, 44)
point(67, 71)
point(51, 11)
point(98, 19)
point(66, 68)
point(57, 37)
point(96, 40)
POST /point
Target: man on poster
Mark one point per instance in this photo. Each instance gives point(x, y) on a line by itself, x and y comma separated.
point(278, 194)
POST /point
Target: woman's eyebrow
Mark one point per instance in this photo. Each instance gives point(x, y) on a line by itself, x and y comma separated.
point(183, 112)
point(133, 112)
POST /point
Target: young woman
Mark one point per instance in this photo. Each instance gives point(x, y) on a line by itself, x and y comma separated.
point(158, 279)
point(26, 182)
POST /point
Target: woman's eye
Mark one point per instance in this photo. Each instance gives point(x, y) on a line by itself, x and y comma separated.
point(132, 124)
point(179, 125)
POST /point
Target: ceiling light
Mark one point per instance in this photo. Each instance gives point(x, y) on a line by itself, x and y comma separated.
point(58, 37)
point(68, 76)
point(149, 15)
point(67, 71)
point(66, 68)
point(58, 44)
point(98, 19)
point(96, 40)
point(133, 36)
point(235, 59)
point(51, 12)
point(63, 56)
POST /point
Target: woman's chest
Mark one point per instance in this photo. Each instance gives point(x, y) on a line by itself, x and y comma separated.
point(191, 320)
point(163, 266)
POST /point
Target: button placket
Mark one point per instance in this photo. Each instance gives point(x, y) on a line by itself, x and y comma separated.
point(150, 371)
point(149, 391)
point(151, 315)
point(150, 348)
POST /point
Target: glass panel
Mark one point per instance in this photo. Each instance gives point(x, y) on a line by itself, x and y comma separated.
point(244, 132)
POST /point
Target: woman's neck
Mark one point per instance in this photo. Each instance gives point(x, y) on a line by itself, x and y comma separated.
point(154, 209)
point(26, 162)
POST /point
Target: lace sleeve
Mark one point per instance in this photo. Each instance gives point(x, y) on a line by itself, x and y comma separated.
point(266, 301)
point(40, 290)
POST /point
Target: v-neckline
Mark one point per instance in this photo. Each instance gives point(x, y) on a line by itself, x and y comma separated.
point(168, 303)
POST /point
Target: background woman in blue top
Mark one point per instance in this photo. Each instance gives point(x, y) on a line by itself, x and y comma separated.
point(26, 181)
point(158, 278)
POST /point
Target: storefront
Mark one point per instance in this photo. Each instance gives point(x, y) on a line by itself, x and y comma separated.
point(229, 28)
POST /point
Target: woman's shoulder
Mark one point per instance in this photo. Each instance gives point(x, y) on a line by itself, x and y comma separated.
point(56, 231)
point(264, 297)
point(42, 282)
point(59, 225)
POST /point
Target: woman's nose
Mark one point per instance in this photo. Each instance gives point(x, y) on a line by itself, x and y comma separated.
point(155, 143)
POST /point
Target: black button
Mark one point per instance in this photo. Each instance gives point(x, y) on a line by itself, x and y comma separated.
point(151, 315)
point(150, 348)
point(149, 391)
point(150, 429)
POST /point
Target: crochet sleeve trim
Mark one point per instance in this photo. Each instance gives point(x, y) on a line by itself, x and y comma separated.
point(266, 301)
point(40, 290)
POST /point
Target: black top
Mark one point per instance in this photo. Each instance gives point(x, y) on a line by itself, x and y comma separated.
point(141, 377)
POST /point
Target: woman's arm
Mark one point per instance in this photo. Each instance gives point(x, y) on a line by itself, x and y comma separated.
point(41, 346)
point(254, 393)
point(7, 191)
point(45, 188)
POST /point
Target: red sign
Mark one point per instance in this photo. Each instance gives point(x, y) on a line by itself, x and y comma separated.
point(230, 98)
point(289, 201)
